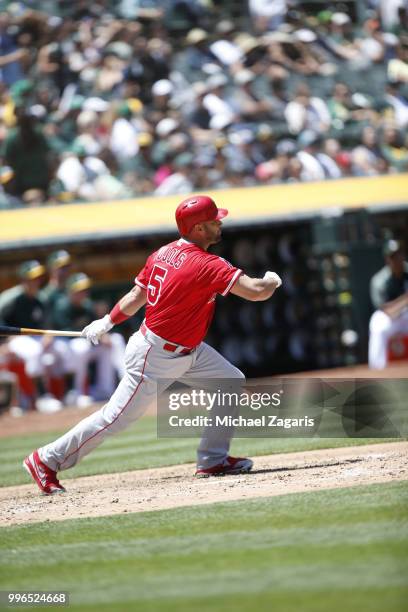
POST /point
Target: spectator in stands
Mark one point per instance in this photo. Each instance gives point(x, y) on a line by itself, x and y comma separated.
point(371, 43)
point(309, 146)
point(389, 295)
point(98, 82)
point(88, 132)
point(140, 9)
point(142, 163)
point(254, 52)
point(246, 103)
point(192, 61)
point(341, 39)
point(329, 157)
point(399, 104)
point(267, 14)
point(389, 11)
point(367, 158)
point(311, 57)
point(179, 180)
point(307, 112)
point(216, 103)
point(340, 105)
point(182, 15)
point(124, 134)
point(224, 47)
point(11, 56)
point(397, 70)
point(394, 149)
point(199, 116)
point(281, 166)
point(88, 177)
point(27, 152)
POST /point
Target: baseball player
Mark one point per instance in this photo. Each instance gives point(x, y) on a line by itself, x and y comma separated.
point(389, 295)
point(178, 285)
point(21, 306)
point(73, 311)
point(59, 267)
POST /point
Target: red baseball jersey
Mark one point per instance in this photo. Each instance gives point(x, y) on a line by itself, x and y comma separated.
point(181, 281)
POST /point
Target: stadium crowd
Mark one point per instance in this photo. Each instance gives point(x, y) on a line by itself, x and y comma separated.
point(109, 100)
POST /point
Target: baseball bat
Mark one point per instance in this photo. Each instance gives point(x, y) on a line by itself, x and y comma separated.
point(5, 330)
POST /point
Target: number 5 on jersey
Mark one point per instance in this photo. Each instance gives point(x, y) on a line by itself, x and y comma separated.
point(155, 284)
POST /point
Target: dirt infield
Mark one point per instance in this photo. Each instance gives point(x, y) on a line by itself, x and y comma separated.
point(173, 487)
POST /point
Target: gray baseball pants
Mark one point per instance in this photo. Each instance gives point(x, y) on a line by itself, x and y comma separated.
point(146, 363)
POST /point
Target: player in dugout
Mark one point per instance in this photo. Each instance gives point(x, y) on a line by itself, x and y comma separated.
point(389, 295)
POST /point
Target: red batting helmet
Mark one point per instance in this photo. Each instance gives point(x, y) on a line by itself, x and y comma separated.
point(197, 209)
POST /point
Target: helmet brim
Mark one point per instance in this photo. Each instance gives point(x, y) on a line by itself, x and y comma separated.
point(222, 212)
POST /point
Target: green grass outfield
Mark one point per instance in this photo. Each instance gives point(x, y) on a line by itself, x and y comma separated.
point(138, 447)
point(325, 551)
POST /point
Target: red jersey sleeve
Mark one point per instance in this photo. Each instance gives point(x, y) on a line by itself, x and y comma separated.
point(142, 279)
point(219, 275)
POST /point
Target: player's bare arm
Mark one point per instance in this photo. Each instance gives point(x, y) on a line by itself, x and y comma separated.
point(256, 289)
point(133, 301)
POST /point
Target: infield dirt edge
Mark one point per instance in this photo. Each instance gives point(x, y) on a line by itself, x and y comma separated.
point(175, 486)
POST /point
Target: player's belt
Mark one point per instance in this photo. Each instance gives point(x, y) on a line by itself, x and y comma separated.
point(166, 346)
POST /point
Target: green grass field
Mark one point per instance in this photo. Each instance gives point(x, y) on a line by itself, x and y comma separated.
point(138, 448)
point(344, 549)
point(323, 551)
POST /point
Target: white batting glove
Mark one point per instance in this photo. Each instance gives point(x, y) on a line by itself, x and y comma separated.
point(273, 276)
point(95, 330)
